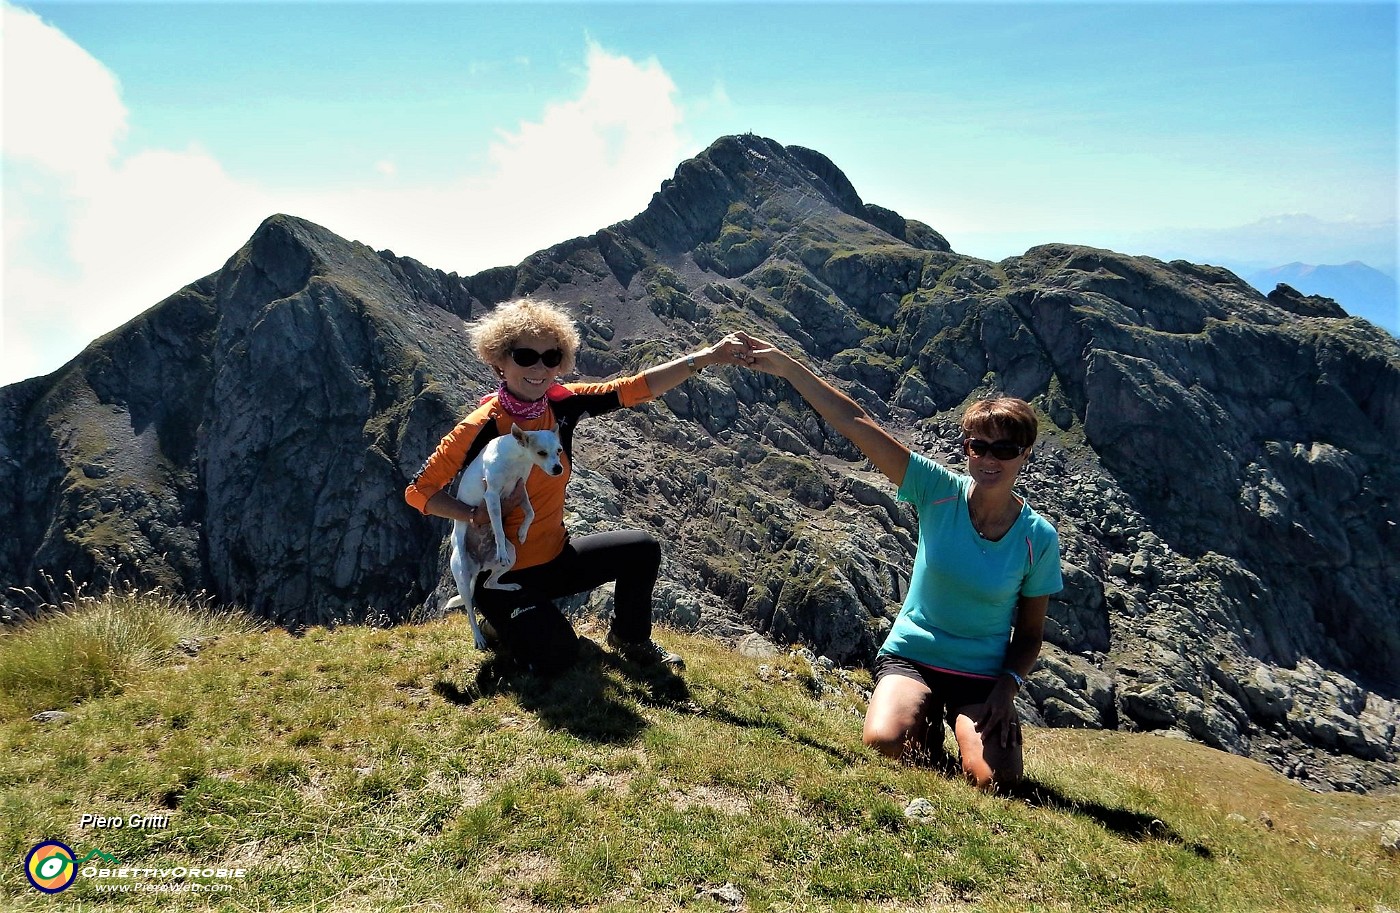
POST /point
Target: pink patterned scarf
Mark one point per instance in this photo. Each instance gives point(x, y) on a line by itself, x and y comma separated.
point(520, 408)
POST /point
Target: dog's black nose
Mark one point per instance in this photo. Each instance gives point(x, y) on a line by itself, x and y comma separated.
point(556, 470)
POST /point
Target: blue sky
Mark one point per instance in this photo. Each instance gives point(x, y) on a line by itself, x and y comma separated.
point(143, 143)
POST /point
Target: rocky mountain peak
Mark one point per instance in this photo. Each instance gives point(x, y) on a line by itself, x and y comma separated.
point(1295, 302)
point(1220, 465)
point(736, 174)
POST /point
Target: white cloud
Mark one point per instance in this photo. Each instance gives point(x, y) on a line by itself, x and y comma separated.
point(615, 142)
point(94, 234)
point(585, 163)
point(62, 108)
point(93, 238)
point(148, 225)
point(161, 220)
point(717, 102)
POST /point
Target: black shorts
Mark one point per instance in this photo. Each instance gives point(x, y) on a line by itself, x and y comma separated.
point(951, 691)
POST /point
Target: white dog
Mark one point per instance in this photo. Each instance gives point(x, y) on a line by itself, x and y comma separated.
point(493, 475)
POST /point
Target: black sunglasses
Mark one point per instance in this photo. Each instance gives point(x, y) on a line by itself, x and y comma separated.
point(1001, 450)
point(527, 357)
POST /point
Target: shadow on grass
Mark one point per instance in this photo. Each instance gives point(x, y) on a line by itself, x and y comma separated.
point(583, 700)
point(838, 753)
point(1122, 821)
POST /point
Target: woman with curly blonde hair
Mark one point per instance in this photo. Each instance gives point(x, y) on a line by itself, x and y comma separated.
point(529, 343)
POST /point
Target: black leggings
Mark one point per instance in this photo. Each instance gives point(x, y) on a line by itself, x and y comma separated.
point(530, 625)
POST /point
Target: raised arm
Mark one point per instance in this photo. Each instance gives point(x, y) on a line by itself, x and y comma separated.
point(841, 412)
point(728, 351)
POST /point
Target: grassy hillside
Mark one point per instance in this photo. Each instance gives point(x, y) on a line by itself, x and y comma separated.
point(367, 769)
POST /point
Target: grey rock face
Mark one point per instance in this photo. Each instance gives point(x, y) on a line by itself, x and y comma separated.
point(1220, 465)
point(243, 436)
point(1390, 837)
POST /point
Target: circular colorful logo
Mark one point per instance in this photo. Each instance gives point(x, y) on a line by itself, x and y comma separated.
point(50, 867)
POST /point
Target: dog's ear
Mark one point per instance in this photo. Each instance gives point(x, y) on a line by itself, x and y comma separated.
point(518, 433)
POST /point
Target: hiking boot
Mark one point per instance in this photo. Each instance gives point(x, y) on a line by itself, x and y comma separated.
point(493, 639)
point(645, 652)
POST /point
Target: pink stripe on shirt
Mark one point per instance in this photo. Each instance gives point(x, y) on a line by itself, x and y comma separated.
point(990, 678)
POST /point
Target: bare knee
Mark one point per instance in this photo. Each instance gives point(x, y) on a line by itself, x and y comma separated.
point(987, 764)
point(979, 774)
point(885, 739)
point(896, 715)
point(987, 778)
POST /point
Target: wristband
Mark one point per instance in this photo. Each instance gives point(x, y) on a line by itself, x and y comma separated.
point(1020, 682)
point(690, 363)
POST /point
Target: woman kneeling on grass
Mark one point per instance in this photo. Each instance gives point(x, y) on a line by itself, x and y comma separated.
point(972, 624)
point(529, 343)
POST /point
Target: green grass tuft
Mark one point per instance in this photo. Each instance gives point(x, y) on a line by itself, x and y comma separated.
point(91, 646)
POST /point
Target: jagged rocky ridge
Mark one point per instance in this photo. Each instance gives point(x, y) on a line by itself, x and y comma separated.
point(1220, 464)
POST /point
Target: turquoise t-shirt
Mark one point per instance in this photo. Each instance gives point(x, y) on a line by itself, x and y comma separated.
point(963, 592)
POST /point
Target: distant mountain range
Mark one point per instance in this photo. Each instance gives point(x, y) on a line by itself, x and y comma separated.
point(1361, 290)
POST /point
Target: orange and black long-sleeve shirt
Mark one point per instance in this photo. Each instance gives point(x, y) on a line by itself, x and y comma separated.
point(568, 405)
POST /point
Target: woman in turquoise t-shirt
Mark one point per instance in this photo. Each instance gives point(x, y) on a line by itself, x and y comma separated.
point(972, 624)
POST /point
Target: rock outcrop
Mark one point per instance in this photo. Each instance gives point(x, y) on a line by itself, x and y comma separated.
point(243, 436)
point(1220, 464)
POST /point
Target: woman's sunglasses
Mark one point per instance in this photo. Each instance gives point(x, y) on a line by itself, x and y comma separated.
point(527, 357)
point(1001, 450)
